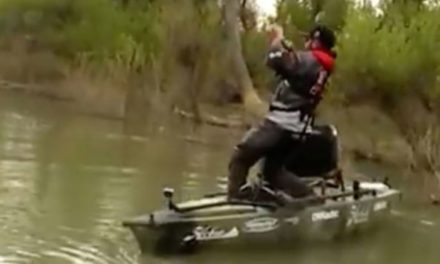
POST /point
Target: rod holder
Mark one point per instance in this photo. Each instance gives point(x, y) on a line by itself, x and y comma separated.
point(356, 190)
point(168, 193)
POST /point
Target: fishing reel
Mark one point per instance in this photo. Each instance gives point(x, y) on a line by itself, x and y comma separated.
point(168, 192)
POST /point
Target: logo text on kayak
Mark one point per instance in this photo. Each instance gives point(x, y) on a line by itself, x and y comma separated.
point(359, 214)
point(325, 215)
point(260, 225)
point(380, 206)
point(204, 233)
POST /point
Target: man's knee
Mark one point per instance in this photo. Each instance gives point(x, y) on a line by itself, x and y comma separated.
point(292, 184)
point(242, 155)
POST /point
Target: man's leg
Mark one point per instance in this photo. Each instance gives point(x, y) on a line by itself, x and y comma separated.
point(256, 143)
point(273, 163)
point(291, 184)
point(275, 172)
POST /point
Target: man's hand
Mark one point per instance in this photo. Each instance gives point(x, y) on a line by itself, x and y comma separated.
point(275, 34)
point(319, 85)
point(282, 57)
point(275, 31)
point(316, 90)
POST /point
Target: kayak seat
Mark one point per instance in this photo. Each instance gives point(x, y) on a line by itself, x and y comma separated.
point(316, 155)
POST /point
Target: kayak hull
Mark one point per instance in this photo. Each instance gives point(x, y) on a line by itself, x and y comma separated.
point(213, 221)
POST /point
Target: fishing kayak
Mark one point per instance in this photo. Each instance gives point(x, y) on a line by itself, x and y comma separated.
point(189, 225)
point(337, 206)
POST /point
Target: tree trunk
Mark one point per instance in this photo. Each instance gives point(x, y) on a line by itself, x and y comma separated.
point(251, 100)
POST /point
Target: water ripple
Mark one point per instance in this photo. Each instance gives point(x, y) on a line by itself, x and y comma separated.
point(112, 169)
point(13, 260)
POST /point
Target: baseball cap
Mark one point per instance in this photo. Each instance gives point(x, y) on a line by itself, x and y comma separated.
point(323, 34)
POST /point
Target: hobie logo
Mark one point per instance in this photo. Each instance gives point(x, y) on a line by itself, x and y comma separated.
point(325, 215)
point(261, 225)
point(203, 233)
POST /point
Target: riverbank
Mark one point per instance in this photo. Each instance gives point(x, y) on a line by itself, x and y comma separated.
point(366, 132)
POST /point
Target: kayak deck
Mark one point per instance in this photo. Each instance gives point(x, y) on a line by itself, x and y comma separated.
point(215, 208)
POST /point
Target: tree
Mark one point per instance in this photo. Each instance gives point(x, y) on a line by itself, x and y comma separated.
point(251, 100)
point(248, 14)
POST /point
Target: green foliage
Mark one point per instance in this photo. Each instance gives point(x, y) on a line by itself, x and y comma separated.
point(32, 15)
point(333, 13)
point(294, 16)
point(254, 49)
point(96, 29)
point(389, 56)
point(301, 15)
point(385, 54)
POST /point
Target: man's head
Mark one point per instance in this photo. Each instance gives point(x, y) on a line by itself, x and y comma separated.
point(320, 37)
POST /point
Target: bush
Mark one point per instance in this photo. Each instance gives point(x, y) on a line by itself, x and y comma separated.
point(254, 50)
point(389, 57)
point(98, 29)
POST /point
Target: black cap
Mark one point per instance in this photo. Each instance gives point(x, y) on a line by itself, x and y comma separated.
point(324, 35)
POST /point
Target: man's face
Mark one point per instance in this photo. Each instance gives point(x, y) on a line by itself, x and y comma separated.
point(307, 43)
point(311, 44)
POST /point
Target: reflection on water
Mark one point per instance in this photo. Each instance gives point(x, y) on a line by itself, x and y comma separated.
point(67, 181)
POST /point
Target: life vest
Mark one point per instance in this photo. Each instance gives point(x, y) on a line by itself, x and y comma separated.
point(302, 80)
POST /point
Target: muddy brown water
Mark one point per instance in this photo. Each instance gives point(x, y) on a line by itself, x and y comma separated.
point(67, 180)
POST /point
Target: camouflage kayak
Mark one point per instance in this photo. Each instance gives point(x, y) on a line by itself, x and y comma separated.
point(213, 219)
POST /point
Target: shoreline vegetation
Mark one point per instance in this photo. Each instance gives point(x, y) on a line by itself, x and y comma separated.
point(129, 59)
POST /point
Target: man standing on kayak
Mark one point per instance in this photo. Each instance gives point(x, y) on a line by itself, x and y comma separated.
point(302, 78)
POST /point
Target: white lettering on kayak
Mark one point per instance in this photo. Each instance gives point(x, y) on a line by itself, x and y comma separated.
point(260, 225)
point(382, 205)
point(292, 220)
point(359, 214)
point(205, 233)
point(325, 215)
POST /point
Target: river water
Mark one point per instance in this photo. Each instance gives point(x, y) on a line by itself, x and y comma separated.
point(67, 180)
